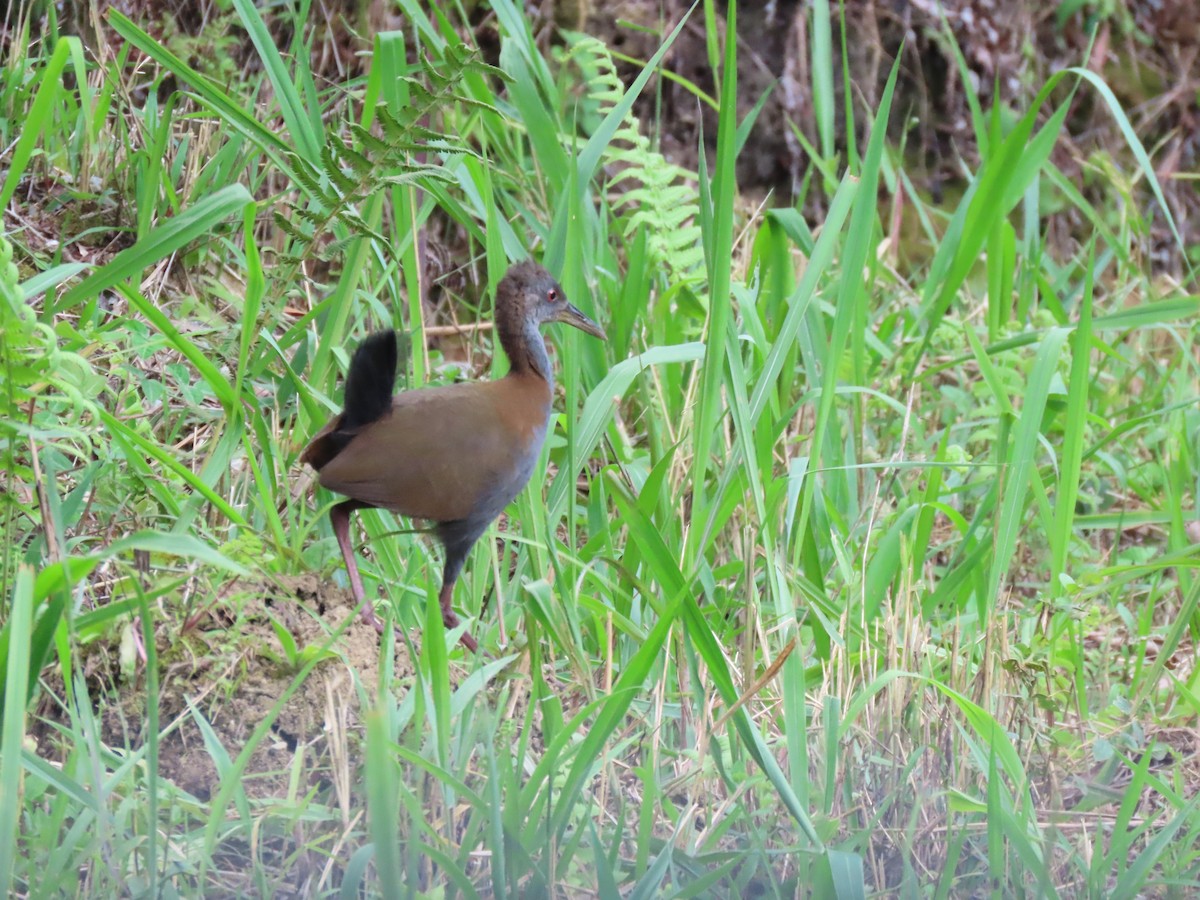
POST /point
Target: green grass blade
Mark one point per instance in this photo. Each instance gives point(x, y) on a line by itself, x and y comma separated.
point(217, 100)
point(16, 693)
point(38, 118)
point(598, 410)
point(195, 222)
point(382, 790)
point(1021, 461)
point(824, 107)
point(303, 125)
point(718, 245)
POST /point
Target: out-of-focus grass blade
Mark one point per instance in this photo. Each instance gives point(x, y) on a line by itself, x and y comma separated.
point(448, 865)
point(598, 411)
point(38, 284)
point(220, 102)
point(356, 871)
point(1021, 460)
point(995, 835)
point(1073, 430)
point(746, 126)
point(34, 647)
point(1133, 881)
point(435, 681)
point(706, 643)
point(152, 864)
point(1007, 822)
point(39, 116)
point(419, 19)
point(712, 32)
point(303, 127)
point(1183, 618)
point(199, 219)
point(177, 545)
point(885, 563)
point(382, 779)
point(1139, 152)
point(967, 79)
point(818, 262)
point(1148, 314)
point(650, 884)
point(495, 822)
point(121, 430)
point(718, 247)
point(1095, 217)
point(840, 874)
point(252, 302)
point(991, 377)
point(606, 880)
point(16, 693)
point(822, 76)
point(220, 758)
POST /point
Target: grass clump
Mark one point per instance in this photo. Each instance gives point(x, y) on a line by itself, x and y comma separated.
point(835, 576)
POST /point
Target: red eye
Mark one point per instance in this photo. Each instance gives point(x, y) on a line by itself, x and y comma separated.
point(552, 295)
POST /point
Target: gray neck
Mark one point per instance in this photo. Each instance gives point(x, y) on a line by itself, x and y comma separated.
point(529, 354)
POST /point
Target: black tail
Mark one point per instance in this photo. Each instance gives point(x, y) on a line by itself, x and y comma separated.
point(370, 380)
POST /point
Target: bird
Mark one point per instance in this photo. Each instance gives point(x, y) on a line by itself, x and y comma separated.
point(455, 455)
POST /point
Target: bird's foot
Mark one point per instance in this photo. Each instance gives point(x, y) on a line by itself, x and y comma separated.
point(450, 620)
point(370, 618)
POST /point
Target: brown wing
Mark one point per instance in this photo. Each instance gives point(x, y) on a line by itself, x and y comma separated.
point(444, 453)
point(321, 449)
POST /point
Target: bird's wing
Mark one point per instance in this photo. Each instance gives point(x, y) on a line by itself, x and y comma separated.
point(444, 453)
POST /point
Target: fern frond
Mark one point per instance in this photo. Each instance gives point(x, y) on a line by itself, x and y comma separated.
point(657, 196)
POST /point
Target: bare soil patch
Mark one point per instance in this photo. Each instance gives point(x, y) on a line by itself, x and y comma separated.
point(232, 670)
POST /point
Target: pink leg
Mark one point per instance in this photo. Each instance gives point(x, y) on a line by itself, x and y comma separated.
point(450, 618)
point(339, 517)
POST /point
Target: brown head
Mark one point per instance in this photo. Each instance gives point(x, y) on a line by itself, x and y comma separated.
point(527, 297)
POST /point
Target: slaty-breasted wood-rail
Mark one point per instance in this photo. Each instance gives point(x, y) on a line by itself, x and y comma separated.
point(454, 455)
